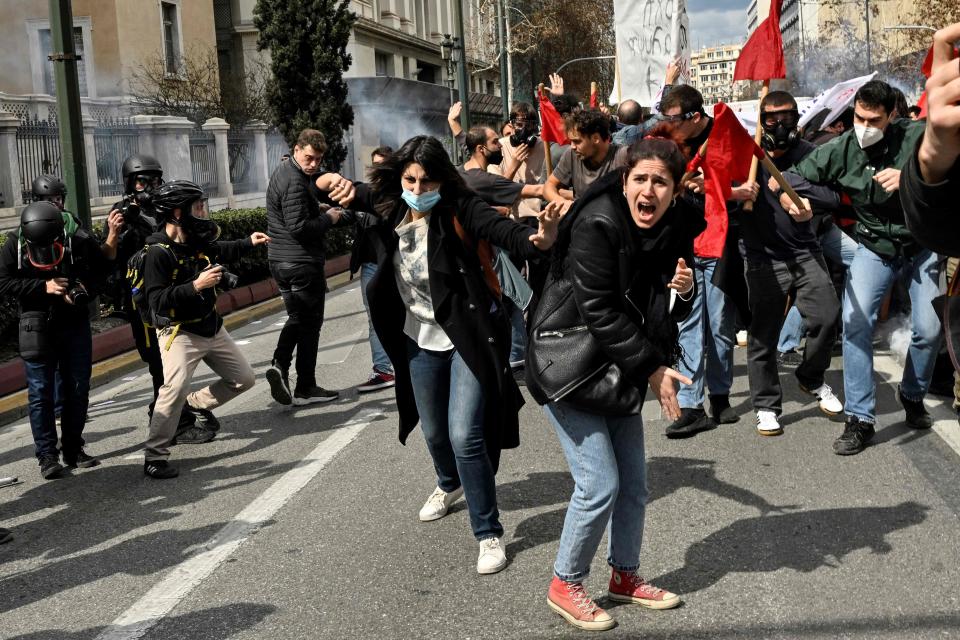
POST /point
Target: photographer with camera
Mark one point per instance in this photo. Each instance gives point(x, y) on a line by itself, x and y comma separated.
point(49, 188)
point(180, 281)
point(54, 267)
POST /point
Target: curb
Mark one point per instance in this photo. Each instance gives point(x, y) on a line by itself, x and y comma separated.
point(14, 405)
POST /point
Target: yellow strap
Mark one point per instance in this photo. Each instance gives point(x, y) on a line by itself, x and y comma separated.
point(176, 329)
point(146, 333)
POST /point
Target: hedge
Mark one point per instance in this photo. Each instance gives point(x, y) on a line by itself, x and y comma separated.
point(234, 225)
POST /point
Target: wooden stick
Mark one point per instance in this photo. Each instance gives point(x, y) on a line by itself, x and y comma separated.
point(616, 61)
point(757, 137)
point(547, 158)
point(787, 189)
point(689, 174)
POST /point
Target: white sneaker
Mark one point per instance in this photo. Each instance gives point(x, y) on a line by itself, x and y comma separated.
point(742, 338)
point(767, 423)
point(492, 558)
point(829, 403)
point(438, 504)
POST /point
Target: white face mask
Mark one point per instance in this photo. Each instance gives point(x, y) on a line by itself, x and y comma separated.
point(867, 136)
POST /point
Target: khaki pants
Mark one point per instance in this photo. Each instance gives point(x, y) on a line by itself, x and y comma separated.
point(179, 362)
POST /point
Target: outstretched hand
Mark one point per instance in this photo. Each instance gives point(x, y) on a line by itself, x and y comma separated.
point(546, 233)
point(940, 149)
point(556, 84)
point(664, 386)
point(682, 280)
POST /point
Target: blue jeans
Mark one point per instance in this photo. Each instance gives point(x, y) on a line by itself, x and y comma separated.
point(869, 278)
point(707, 339)
point(606, 459)
point(837, 247)
point(72, 352)
point(450, 402)
point(518, 333)
point(381, 361)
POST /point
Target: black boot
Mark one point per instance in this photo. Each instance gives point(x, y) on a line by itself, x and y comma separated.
point(917, 415)
point(721, 411)
point(691, 422)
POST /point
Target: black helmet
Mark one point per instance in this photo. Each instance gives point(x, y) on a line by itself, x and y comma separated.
point(41, 226)
point(46, 185)
point(139, 165)
point(178, 194)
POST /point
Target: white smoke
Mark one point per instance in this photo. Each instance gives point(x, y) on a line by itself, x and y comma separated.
point(897, 332)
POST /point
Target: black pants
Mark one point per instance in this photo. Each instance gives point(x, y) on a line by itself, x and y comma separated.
point(146, 340)
point(303, 287)
point(769, 284)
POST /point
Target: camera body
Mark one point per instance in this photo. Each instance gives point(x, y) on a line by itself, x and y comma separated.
point(78, 293)
point(522, 136)
point(132, 205)
point(227, 280)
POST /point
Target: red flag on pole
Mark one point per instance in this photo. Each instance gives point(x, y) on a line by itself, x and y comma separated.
point(927, 69)
point(762, 56)
point(551, 124)
point(730, 151)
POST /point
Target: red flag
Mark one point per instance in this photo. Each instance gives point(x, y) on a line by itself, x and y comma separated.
point(730, 150)
point(762, 56)
point(593, 97)
point(927, 69)
point(551, 124)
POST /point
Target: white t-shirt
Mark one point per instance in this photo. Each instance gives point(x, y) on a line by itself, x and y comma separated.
point(412, 274)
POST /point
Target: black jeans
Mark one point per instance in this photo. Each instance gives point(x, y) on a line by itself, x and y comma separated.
point(769, 284)
point(303, 287)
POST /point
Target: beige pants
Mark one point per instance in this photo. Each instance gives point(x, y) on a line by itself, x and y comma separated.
point(186, 351)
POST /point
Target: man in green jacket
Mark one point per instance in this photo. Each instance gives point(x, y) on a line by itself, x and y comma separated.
point(865, 164)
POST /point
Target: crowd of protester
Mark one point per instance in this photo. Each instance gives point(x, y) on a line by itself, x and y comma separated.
point(588, 285)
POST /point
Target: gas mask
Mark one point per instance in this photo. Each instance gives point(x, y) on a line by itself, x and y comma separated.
point(779, 129)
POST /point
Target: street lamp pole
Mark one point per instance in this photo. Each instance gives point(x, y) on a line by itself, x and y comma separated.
point(583, 59)
point(866, 16)
point(464, 77)
point(504, 52)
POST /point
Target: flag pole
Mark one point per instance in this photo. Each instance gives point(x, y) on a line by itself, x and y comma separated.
point(616, 61)
point(757, 137)
point(700, 153)
point(547, 159)
point(594, 99)
point(787, 189)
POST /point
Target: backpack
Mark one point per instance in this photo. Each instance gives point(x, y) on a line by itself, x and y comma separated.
point(138, 291)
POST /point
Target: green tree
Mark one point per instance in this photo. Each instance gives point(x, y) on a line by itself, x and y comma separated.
point(307, 40)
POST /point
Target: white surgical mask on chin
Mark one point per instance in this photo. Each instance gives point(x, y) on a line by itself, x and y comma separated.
point(867, 136)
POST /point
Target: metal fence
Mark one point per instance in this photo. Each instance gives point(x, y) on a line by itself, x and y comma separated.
point(277, 147)
point(38, 151)
point(114, 141)
point(203, 160)
point(240, 152)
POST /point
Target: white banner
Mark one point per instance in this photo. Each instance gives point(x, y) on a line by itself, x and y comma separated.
point(835, 99)
point(650, 34)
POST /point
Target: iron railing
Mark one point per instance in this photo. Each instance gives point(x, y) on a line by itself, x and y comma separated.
point(38, 151)
point(203, 160)
point(114, 141)
point(277, 147)
point(240, 152)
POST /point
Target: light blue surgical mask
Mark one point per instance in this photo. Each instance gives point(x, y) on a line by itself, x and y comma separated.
point(423, 202)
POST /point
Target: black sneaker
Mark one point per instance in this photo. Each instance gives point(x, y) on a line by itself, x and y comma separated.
point(721, 411)
point(690, 423)
point(50, 467)
point(917, 416)
point(204, 418)
point(80, 459)
point(5, 535)
point(159, 470)
point(856, 434)
point(194, 434)
point(279, 384)
point(313, 395)
point(789, 358)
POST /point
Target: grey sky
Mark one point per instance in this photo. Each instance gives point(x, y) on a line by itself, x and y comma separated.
point(717, 21)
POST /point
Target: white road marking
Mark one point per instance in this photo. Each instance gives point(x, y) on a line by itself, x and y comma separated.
point(241, 342)
point(167, 594)
point(256, 321)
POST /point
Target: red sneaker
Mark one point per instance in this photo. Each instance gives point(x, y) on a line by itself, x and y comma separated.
point(571, 601)
point(629, 587)
point(376, 382)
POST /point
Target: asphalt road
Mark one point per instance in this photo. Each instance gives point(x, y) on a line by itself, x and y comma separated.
point(303, 524)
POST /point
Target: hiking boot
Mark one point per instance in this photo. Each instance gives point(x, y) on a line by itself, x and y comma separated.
point(691, 422)
point(80, 459)
point(314, 395)
point(203, 417)
point(159, 470)
point(789, 358)
point(438, 504)
point(279, 384)
point(721, 411)
point(856, 434)
point(194, 434)
point(492, 557)
point(829, 403)
point(627, 586)
point(767, 423)
point(917, 416)
point(571, 601)
point(5, 535)
point(377, 381)
point(50, 467)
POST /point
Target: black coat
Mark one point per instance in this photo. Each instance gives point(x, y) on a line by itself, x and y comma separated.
point(932, 211)
point(296, 222)
point(463, 304)
point(620, 275)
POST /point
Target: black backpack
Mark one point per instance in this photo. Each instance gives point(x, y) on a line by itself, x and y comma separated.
point(138, 292)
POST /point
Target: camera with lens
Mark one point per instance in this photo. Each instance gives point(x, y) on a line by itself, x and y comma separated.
point(227, 280)
point(132, 205)
point(77, 293)
point(523, 136)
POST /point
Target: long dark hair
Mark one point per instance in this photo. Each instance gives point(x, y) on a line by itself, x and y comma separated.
point(429, 154)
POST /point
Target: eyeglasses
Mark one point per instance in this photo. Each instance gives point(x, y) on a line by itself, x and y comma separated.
point(679, 117)
point(772, 119)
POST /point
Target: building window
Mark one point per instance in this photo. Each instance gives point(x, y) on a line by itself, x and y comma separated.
point(41, 70)
point(427, 72)
point(46, 48)
point(384, 64)
point(171, 37)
